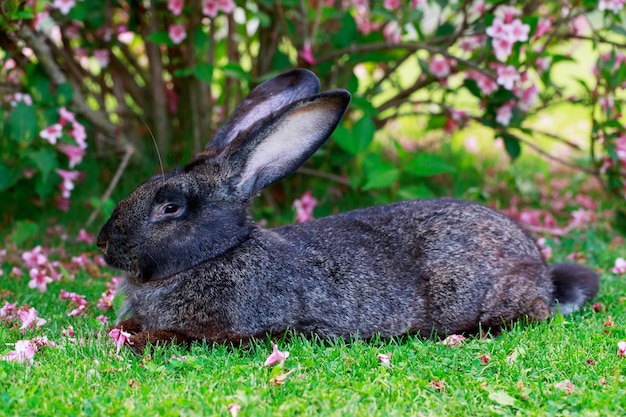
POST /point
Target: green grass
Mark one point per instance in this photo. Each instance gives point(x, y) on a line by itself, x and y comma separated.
point(522, 377)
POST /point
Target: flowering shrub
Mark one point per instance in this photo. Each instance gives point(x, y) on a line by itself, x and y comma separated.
point(86, 75)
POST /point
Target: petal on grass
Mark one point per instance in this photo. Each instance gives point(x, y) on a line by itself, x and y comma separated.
point(276, 356)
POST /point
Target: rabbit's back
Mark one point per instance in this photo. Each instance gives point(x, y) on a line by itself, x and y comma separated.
point(421, 265)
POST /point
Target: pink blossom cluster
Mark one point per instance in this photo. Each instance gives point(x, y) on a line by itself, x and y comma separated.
point(41, 270)
point(77, 301)
point(25, 349)
point(177, 32)
point(614, 6)
point(26, 314)
point(619, 267)
point(74, 151)
point(304, 207)
point(505, 31)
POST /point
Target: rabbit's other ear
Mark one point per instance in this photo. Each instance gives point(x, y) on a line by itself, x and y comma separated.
point(264, 100)
point(280, 145)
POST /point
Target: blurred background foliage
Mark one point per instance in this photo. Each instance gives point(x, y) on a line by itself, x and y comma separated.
point(449, 98)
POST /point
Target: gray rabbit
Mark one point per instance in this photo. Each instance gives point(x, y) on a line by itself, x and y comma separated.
point(198, 267)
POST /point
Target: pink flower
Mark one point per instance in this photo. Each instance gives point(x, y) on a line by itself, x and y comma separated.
point(105, 301)
point(391, 4)
point(52, 133)
point(419, 3)
point(304, 207)
point(439, 66)
point(498, 29)
point(74, 298)
point(438, 385)
point(452, 340)
point(227, 6)
point(8, 310)
point(385, 358)
point(485, 83)
point(120, 337)
point(621, 348)
point(29, 319)
point(620, 266)
point(102, 56)
point(470, 43)
point(392, 32)
point(527, 97)
point(613, 5)
point(79, 134)
point(233, 409)
point(175, 6)
point(177, 33)
point(85, 237)
point(39, 279)
point(210, 8)
point(77, 311)
point(503, 47)
point(68, 181)
point(276, 356)
point(507, 76)
point(103, 319)
point(484, 359)
point(307, 53)
point(543, 27)
point(507, 12)
point(64, 6)
point(66, 116)
point(543, 64)
point(566, 386)
point(69, 332)
point(34, 257)
point(505, 113)
point(24, 351)
point(74, 153)
point(518, 31)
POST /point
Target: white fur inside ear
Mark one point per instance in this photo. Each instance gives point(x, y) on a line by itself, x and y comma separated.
point(297, 134)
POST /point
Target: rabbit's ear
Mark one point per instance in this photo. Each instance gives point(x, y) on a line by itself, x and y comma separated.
point(264, 100)
point(280, 145)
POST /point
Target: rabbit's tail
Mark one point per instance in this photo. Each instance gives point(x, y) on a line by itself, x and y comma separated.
point(574, 285)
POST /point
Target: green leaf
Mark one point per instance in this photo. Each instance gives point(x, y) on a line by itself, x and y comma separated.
point(436, 121)
point(234, 70)
point(204, 72)
point(161, 37)
point(383, 175)
point(501, 398)
point(512, 145)
point(24, 230)
point(359, 138)
point(9, 176)
point(413, 192)
point(363, 104)
point(346, 33)
point(23, 123)
point(45, 160)
point(65, 93)
point(426, 165)
point(445, 30)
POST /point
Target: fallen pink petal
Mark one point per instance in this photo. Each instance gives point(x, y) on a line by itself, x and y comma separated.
point(452, 340)
point(621, 348)
point(29, 318)
point(276, 356)
point(24, 351)
point(484, 359)
point(385, 358)
point(566, 386)
point(120, 338)
point(233, 409)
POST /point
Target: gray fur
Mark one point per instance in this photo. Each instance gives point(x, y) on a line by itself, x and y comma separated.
point(209, 272)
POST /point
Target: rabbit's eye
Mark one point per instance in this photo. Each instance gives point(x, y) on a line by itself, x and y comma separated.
point(170, 208)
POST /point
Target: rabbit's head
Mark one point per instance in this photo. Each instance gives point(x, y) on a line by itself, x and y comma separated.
point(176, 221)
